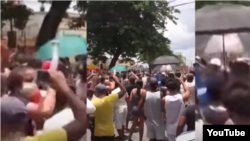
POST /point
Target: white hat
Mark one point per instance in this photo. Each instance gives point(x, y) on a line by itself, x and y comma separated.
point(215, 61)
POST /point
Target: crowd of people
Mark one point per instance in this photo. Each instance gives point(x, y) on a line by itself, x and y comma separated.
point(223, 93)
point(43, 104)
point(40, 103)
point(162, 101)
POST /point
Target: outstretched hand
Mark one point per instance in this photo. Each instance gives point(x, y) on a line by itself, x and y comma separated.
point(58, 79)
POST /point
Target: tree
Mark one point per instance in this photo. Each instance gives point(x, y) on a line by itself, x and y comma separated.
point(148, 56)
point(200, 4)
point(53, 18)
point(180, 57)
point(81, 7)
point(16, 15)
point(51, 21)
point(126, 28)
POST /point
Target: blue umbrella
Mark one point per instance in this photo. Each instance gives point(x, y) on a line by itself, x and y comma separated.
point(118, 68)
point(69, 46)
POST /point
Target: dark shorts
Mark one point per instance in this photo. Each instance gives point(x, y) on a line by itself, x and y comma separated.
point(136, 111)
point(105, 138)
point(92, 128)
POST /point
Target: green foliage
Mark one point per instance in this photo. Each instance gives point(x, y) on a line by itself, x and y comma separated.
point(180, 57)
point(17, 15)
point(81, 7)
point(200, 4)
point(127, 28)
point(127, 60)
point(148, 56)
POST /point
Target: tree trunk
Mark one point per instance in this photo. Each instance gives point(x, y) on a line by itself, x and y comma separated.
point(114, 60)
point(51, 22)
point(11, 25)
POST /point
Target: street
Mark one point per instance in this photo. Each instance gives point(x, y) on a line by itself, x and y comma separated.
point(135, 136)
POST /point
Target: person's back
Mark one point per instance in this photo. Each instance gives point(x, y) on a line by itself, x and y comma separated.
point(174, 107)
point(144, 80)
point(152, 108)
point(191, 86)
point(104, 115)
point(130, 87)
point(135, 98)
point(190, 117)
point(121, 103)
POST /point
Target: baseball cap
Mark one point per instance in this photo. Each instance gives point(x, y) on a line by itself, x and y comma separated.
point(13, 111)
point(215, 61)
point(100, 88)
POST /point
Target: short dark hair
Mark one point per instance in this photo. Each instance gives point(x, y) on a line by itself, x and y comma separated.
point(15, 79)
point(190, 77)
point(132, 79)
point(236, 97)
point(172, 84)
point(178, 74)
point(153, 83)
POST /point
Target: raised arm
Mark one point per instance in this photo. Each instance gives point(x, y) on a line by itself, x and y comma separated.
point(123, 89)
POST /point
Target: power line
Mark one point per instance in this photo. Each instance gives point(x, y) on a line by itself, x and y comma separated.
point(187, 9)
point(181, 4)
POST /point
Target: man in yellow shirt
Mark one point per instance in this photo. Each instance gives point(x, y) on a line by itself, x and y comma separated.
point(14, 117)
point(104, 128)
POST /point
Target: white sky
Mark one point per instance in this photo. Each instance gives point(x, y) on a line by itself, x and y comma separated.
point(182, 35)
point(35, 5)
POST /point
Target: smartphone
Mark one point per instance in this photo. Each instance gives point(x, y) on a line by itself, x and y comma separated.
point(43, 76)
point(111, 79)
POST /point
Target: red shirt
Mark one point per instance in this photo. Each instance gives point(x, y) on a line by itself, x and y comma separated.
point(36, 97)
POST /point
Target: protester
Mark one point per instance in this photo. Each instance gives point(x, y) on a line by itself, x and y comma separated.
point(137, 113)
point(120, 113)
point(129, 88)
point(145, 105)
point(104, 129)
point(151, 100)
point(15, 114)
point(187, 118)
point(173, 105)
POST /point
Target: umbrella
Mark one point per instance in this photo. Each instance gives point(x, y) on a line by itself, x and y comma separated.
point(232, 44)
point(164, 60)
point(208, 46)
point(143, 67)
point(118, 68)
point(222, 18)
point(165, 68)
point(69, 46)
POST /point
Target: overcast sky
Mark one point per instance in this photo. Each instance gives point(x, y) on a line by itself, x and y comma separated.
point(35, 5)
point(182, 35)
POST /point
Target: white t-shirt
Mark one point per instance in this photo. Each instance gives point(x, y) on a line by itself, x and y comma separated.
point(59, 120)
point(121, 103)
point(64, 117)
point(144, 80)
point(186, 136)
point(174, 107)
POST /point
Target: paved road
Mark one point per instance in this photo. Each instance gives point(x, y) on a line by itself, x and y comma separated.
point(135, 136)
